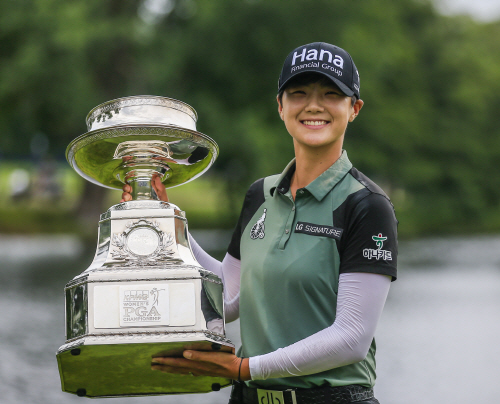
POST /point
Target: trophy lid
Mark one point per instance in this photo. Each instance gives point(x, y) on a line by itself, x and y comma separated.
point(143, 136)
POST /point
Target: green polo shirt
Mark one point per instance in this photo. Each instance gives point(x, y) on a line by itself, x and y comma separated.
point(292, 253)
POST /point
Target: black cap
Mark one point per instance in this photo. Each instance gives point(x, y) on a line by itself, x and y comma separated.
point(323, 58)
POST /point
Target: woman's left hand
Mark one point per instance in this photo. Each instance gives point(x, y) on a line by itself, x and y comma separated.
point(201, 363)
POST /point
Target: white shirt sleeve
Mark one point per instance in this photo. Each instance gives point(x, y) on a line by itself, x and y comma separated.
point(229, 271)
point(360, 301)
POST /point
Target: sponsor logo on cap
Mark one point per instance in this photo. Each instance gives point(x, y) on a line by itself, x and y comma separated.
point(330, 61)
point(322, 55)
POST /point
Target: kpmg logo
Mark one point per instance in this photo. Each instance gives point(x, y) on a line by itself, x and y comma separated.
point(314, 57)
point(136, 295)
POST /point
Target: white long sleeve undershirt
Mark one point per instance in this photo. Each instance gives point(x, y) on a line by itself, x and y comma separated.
point(360, 301)
point(229, 271)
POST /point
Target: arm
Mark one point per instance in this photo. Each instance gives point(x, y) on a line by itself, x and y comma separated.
point(360, 302)
point(229, 271)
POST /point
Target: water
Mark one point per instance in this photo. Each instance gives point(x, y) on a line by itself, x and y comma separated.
point(437, 339)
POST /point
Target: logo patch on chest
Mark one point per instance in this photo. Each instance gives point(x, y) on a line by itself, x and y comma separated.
point(258, 229)
point(318, 230)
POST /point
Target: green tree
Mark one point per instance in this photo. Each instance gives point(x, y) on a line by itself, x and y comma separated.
point(428, 132)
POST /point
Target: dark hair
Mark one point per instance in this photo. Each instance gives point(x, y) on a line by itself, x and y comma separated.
point(310, 78)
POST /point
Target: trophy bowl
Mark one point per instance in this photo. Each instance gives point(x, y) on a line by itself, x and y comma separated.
point(144, 295)
point(130, 139)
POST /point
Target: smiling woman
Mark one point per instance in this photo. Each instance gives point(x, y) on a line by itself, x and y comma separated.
point(316, 113)
point(296, 272)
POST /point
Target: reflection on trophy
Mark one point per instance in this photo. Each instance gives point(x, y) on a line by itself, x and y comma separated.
point(144, 295)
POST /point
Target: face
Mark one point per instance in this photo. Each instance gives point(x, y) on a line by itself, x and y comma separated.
point(316, 115)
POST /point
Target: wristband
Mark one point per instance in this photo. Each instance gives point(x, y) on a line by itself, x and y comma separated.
point(239, 370)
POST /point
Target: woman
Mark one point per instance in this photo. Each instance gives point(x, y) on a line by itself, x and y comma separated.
point(312, 257)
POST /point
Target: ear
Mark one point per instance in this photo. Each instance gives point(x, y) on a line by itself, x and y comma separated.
point(355, 109)
point(280, 107)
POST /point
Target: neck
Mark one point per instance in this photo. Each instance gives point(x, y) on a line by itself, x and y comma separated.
point(310, 164)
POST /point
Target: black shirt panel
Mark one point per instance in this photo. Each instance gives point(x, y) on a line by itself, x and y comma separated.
point(368, 183)
point(254, 198)
point(369, 241)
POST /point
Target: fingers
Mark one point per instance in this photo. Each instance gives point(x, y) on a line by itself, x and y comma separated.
point(172, 369)
point(199, 363)
point(179, 366)
point(126, 197)
point(159, 188)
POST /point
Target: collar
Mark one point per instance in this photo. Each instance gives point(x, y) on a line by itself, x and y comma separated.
point(323, 184)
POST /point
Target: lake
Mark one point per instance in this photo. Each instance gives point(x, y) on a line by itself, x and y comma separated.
point(438, 339)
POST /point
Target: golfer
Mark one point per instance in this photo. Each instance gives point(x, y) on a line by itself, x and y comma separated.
point(312, 256)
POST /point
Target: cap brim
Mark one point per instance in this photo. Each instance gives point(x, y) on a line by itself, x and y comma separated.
point(346, 90)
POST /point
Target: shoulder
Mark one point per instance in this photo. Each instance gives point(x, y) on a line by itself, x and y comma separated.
point(255, 194)
point(369, 242)
point(366, 182)
point(367, 196)
point(254, 199)
point(260, 189)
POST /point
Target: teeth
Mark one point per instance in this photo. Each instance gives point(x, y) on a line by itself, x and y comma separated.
point(315, 123)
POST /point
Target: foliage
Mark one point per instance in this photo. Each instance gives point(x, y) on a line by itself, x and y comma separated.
point(428, 133)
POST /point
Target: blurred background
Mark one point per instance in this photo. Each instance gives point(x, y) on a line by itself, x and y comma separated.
point(429, 134)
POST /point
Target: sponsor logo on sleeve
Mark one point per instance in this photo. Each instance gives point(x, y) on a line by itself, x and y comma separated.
point(318, 230)
point(379, 253)
point(258, 229)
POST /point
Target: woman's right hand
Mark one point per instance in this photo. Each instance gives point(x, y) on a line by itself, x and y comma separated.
point(157, 186)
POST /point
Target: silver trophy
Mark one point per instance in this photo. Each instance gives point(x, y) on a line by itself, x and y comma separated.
point(144, 295)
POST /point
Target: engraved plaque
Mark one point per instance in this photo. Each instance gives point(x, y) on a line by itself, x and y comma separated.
point(143, 241)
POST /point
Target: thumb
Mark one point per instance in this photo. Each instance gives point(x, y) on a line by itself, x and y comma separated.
point(199, 356)
point(160, 189)
point(194, 355)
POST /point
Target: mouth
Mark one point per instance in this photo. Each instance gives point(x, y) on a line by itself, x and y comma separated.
point(315, 122)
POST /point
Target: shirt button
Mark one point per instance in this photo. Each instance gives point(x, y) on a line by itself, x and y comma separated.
point(287, 231)
point(293, 208)
point(300, 191)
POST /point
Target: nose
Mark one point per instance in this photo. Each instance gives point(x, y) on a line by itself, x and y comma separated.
point(314, 103)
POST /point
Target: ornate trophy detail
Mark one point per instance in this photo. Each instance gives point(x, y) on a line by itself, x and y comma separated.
point(144, 295)
point(143, 243)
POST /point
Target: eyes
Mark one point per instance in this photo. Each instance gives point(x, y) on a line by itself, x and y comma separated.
point(299, 92)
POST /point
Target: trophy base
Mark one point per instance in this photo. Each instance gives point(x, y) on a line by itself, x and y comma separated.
point(143, 296)
point(117, 370)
